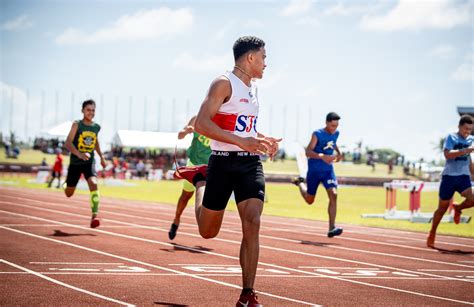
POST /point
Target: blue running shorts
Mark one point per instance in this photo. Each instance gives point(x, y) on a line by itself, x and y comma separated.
point(314, 178)
point(451, 184)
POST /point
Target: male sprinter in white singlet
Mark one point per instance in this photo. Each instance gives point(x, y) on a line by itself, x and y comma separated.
point(228, 116)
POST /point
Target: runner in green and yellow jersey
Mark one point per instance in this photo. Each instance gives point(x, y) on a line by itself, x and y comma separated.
point(198, 153)
point(82, 141)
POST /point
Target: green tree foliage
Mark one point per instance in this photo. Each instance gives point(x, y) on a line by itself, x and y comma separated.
point(385, 154)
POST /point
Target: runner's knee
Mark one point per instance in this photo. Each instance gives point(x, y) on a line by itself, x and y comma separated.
point(69, 192)
point(208, 233)
point(309, 199)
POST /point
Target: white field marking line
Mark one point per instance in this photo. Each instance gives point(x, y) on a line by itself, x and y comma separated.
point(92, 263)
point(370, 233)
point(160, 206)
point(380, 231)
point(429, 270)
point(355, 239)
point(369, 252)
point(280, 249)
point(117, 202)
point(295, 229)
point(271, 237)
point(261, 235)
point(263, 246)
point(268, 264)
point(141, 262)
point(277, 229)
point(367, 230)
point(294, 241)
point(219, 275)
point(335, 267)
point(351, 231)
point(236, 258)
point(52, 225)
point(284, 230)
point(64, 284)
point(344, 238)
point(28, 225)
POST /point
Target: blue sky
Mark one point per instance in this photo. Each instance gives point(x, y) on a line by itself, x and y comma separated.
point(394, 70)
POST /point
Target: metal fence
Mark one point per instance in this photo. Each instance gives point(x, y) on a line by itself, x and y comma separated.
point(31, 113)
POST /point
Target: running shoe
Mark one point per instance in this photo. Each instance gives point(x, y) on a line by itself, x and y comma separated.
point(430, 240)
point(248, 300)
point(173, 230)
point(189, 172)
point(95, 222)
point(297, 180)
point(457, 215)
point(334, 232)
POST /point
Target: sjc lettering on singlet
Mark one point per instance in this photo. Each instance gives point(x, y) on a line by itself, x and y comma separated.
point(246, 123)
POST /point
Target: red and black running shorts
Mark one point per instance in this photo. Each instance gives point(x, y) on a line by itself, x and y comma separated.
point(240, 172)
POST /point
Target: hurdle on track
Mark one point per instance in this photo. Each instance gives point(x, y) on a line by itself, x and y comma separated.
point(414, 214)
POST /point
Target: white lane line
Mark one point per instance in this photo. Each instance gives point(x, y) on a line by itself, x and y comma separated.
point(29, 225)
point(335, 267)
point(365, 230)
point(93, 263)
point(79, 270)
point(238, 232)
point(261, 246)
point(429, 270)
point(388, 243)
point(299, 231)
point(220, 275)
point(236, 258)
point(64, 284)
point(329, 246)
point(145, 263)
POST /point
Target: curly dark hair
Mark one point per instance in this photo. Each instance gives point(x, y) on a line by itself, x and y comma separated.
point(87, 102)
point(245, 44)
point(465, 119)
point(332, 116)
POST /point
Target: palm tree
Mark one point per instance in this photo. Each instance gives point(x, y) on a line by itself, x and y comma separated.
point(440, 145)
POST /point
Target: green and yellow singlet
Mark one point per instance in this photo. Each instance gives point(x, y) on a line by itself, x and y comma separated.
point(85, 140)
point(200, 150)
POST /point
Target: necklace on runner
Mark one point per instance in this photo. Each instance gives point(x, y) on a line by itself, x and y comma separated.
point(243, 71)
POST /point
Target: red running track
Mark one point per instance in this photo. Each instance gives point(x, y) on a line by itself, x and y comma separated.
point(50, 256)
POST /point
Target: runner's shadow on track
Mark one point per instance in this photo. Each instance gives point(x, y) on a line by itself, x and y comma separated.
point(453, 251)
point(319, 244)
point(169, 304)
point(60, 233)
point(184, 248)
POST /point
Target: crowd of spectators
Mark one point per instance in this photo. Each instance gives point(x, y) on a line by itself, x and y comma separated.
point(142, 160)
point(138, 162)
point(50, 146)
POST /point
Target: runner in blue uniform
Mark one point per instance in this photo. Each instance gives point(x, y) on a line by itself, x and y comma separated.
point(320, 153)
point(456, 176)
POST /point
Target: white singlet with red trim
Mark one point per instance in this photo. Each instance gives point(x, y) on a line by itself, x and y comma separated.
point(239, 114)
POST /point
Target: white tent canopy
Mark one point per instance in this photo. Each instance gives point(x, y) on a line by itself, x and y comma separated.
point(150, 139)
point(60, 131)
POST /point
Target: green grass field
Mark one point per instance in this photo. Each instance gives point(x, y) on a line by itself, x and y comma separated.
point(28, 156)
point(342, 169)
point(284, 200)
point(286, 167)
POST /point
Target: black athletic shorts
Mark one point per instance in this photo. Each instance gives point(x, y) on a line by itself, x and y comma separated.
point(237, 171)
point(75, 170)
